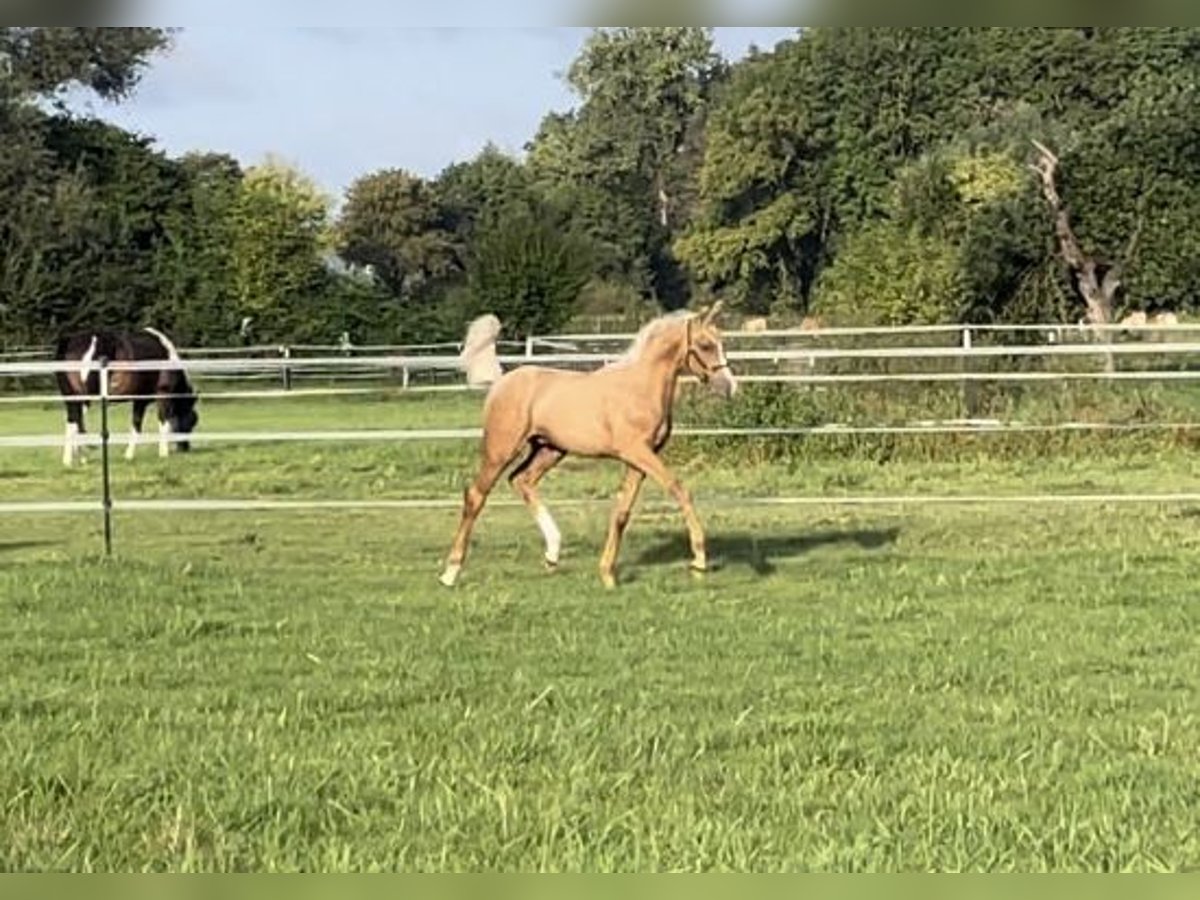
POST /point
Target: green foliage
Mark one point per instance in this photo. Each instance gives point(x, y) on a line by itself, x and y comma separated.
point(44, 62)
point(891, 275)
point(472, 193)
point(279, 236)
point(58, 217)
point(624, 159)
point(528, 272)
point(196, 267)
point(871, 174)
point(394, 223)
point(807, 144)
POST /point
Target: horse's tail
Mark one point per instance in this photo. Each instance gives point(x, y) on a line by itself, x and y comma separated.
point(478, 357)
point(85, 362)
point(172, 352)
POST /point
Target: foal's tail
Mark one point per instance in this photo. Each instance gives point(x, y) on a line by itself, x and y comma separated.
point(478, 357)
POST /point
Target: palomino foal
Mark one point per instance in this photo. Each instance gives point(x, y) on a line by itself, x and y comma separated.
point(621, 411)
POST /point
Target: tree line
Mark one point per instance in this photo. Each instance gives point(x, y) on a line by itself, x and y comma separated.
point(865, 175)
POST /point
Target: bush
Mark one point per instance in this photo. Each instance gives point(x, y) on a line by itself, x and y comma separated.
point(528, 272)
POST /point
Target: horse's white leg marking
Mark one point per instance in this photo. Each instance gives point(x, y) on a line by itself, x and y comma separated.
point(131, 447)
point(164, 438)
point(450, 574)
point(550, 532)
point(69, 439)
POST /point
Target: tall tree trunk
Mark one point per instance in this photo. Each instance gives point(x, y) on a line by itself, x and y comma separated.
point(1096, 282)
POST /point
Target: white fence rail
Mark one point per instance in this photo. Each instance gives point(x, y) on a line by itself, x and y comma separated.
point(450, 363)
point(965, 334)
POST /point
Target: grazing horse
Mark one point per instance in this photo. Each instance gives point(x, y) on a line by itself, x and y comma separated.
point(168, 386)
point(621, 411)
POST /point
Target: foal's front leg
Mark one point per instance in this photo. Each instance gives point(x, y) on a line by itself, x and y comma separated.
point(646, 461)
point(626, 497)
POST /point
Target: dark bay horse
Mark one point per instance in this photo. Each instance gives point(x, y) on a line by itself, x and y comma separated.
point(168, 387)
point(621, 411)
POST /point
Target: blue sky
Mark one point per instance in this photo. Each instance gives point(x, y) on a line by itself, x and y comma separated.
point(343, 100)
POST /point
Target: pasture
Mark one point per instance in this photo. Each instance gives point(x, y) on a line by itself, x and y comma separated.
point(952, 687)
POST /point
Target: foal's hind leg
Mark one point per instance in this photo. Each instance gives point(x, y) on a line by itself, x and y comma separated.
point(541, 459)
point(497, 455)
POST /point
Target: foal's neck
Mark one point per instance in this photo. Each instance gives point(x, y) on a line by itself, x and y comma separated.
point(662, 364)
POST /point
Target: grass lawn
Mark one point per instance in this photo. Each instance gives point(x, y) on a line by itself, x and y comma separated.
point(881, 688)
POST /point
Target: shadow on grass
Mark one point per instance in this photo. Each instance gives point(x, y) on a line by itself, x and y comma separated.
point(758, 551)
point(17, 546)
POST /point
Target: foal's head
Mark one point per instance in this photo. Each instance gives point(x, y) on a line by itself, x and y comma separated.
point(705, 355)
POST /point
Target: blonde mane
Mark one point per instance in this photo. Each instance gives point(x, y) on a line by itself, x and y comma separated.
point(649, 331)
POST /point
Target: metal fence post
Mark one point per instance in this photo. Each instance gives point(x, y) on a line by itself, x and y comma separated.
point(105, 470)
point(286, 353)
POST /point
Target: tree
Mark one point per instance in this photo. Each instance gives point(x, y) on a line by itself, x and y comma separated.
point(133, 190)
point(624, 157)
point(470, 193)
point(279, 238)
point(805, 144)
point(49, 217)
point(528, 272)
point(393, 222)
point(44, 62)
point(195, 265)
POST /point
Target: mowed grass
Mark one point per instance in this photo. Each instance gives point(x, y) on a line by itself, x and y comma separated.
point(882, 688)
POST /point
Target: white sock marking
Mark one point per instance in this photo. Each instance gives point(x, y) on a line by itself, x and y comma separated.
point(550, 532)
point(69, 439)
point(131, 447)
point(450, 575)
point(164, 438)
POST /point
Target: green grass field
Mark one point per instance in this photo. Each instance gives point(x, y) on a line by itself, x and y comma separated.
point(968, 687)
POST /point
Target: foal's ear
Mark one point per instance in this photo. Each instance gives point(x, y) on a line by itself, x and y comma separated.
point(711, 313)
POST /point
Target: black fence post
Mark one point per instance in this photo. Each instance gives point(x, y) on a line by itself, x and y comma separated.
point(105, 470)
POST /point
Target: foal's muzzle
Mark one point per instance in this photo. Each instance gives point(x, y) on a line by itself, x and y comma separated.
point(723, 382)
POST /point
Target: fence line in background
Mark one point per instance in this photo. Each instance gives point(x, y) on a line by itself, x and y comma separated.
point(528, 346)
point(1056, 329)
point(250, 364)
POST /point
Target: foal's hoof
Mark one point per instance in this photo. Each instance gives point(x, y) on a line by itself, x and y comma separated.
point(698, 570)
point(608, 579)
point(551, 564)
point(450, 575)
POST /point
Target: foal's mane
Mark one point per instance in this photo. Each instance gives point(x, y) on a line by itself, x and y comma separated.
point(649, 332)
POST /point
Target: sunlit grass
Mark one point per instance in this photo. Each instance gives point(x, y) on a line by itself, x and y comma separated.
point(980, 687)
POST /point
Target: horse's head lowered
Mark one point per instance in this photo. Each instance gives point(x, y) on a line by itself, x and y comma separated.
point(705, 355)
point(181, 410)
